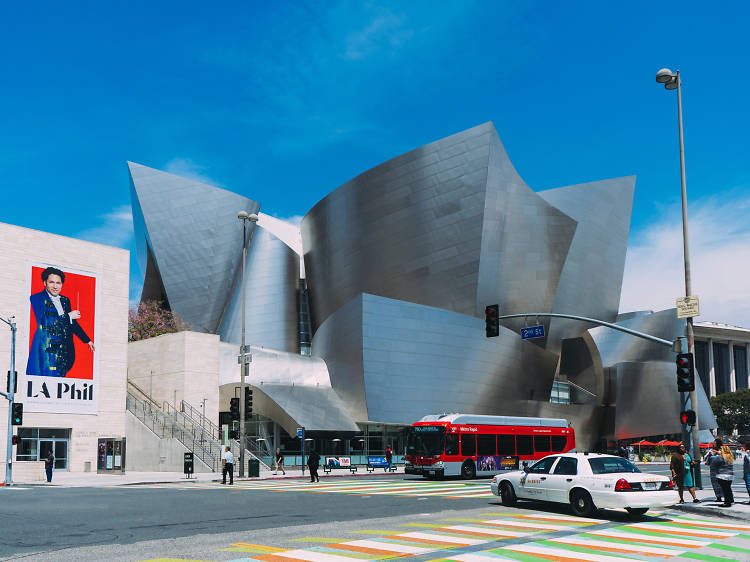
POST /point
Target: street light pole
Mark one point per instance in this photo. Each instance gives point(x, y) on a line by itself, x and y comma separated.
point(244, 216)
point(11, 390)
point(671, 81)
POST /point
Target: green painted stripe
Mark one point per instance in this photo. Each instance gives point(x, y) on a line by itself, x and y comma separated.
point(660, 535)
point(512, 555)
point(728, 547)
point(699, 556)
point(629, 541)
point(585, 550)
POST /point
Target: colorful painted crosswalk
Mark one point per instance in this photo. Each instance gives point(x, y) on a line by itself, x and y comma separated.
point(532, 536)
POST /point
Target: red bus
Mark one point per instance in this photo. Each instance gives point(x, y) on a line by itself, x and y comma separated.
point(469, 445)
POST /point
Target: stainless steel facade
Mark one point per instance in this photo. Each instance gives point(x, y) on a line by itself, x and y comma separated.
point(400, 263)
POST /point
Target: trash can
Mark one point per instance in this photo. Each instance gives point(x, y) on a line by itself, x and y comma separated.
point(253, 468)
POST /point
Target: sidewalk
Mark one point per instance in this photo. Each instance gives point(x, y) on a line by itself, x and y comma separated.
point(92, 479)
point(709, 506)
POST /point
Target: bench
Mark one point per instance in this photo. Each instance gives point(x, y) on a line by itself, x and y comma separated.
point(380, 462)
point(335, 463)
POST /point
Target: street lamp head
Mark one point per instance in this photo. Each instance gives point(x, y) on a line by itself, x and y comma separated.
point(242, 215)
point(671, 85)
point(664, 76)
point(252, 217)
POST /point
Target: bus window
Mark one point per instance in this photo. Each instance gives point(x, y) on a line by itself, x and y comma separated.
point(468, 445)
point(506, 445)
point(451, 444)
point(486, 445)
point(558, 443)
point(541, 443)
point(525, 445)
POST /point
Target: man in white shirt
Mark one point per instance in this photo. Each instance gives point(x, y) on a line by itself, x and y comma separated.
point(227, 466)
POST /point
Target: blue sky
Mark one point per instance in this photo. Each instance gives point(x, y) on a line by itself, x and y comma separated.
point(284, 101)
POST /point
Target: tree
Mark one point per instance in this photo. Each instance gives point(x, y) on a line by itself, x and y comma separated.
point(732, 411)
point(152, 319)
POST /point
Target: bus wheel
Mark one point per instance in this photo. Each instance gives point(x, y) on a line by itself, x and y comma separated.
point(468, 471)
point(507, 494)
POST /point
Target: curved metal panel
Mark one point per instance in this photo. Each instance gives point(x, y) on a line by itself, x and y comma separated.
point(418, 360)
point(196, 239)
point(272, 275)
point(596, 259)
point(410, 229)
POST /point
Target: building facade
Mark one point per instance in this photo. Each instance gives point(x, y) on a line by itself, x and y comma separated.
point(73, 393)
point(390, 274)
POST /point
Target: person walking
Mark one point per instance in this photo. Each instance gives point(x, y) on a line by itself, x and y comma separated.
point(714, 451)
point(681, 465)
point(313, 462)
point(279, 462)
point(724, 463)
point(746, 465)
point(388, 456)
point(49, 464)
point(227, 466)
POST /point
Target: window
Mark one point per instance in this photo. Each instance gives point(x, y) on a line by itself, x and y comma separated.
point(506, 445)
point(567, 465)
point(543, 466)
point(451, 444)
point(541, 443)
point(468, 445)
point(611, 465)
point(525, 445)
point(486, 445)
point(558, 443)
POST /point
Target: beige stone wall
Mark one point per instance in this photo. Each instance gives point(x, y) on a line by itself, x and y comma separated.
point(18, 248)
point(184, 365)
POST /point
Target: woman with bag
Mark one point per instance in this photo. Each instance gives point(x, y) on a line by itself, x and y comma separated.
point(724, 465)
point(681, 466)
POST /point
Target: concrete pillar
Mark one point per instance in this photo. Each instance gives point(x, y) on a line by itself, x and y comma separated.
point(276, 438)
point(711, 368)
point(732, 372)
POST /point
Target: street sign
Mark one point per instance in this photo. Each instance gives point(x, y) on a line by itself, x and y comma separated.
point(687, 307)
point(248, 358)
point(300, 432)
point(532, 332)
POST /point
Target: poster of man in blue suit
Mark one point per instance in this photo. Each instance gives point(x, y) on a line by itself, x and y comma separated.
point(56, 323)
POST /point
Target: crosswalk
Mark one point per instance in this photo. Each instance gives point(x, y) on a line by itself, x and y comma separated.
point(374, 487)
point(532, 536)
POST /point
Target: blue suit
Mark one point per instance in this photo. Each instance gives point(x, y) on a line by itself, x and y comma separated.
point(52, 352)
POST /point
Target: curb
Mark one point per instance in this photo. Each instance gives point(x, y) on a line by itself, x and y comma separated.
point(725, 512)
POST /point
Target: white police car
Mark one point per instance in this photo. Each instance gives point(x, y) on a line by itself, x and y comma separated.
point(587, 481)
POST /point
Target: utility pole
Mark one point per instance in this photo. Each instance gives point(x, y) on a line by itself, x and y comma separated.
point(11, 391)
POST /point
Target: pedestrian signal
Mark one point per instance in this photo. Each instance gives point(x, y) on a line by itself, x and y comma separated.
point(687, 417)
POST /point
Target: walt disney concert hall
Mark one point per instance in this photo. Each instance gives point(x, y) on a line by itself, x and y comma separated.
point(371, 311)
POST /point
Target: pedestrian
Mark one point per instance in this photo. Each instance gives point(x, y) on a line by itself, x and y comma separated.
point(713, 451)
point(746, 465)
point(279, 462)
point(49, 464)
point(681, 466)
point(227, 466)
point(388, 456)
point(724, 463)
point(313, 462)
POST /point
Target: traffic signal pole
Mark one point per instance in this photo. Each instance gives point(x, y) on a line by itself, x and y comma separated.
point(12, 385)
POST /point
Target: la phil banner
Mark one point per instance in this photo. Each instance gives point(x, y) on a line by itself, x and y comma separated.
point(61, 370)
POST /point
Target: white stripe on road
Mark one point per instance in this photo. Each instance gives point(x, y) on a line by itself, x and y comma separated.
point(443, 538)
point(383, 545)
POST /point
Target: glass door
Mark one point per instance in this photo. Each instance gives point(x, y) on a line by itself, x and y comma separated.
point(58, 447)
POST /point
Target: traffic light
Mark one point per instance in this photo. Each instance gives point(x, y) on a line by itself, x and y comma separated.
point(491, 320)
point(15, 439)
point(687, 417)
point(17, 414)
point(234, 408)
point(685, 372)
point(248, 403)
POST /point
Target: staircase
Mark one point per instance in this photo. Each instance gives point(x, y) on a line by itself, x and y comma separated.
point(186, 424)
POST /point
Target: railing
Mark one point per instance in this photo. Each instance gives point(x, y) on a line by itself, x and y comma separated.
point(171, 424)
point(202, 420)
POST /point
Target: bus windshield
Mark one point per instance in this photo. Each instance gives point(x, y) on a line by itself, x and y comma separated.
point(425, 441)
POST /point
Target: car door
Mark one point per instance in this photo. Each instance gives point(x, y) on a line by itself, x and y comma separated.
point(533, 484)
point(561, 480)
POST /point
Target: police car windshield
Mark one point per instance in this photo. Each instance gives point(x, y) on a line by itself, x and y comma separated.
point(610, 465)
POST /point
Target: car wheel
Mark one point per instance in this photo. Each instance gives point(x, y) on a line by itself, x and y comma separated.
point(636, 511)
point(582, 504)
point(468, 471)
point(507, 494)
